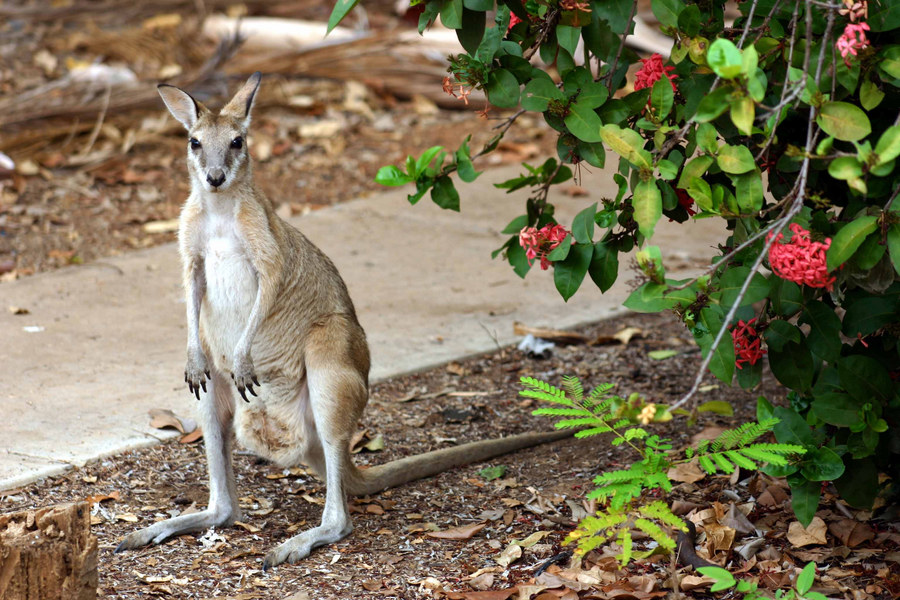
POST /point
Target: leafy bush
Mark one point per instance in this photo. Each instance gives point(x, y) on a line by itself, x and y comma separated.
point(625, 494)
point(784, 124)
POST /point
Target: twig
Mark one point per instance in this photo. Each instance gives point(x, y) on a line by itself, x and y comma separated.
point(747, 26)
point(615, 62)
point(548, 24)
point(100, 118)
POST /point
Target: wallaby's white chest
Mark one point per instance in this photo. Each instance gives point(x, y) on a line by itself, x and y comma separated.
point(231, 286)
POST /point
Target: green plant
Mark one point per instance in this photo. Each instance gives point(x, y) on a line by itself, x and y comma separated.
point(625, 495)
point(801, 591)
point(783, 124)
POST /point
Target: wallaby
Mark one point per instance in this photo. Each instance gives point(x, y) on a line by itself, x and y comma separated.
point(267, 307)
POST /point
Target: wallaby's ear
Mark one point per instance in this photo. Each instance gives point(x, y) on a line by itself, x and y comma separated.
point(239, 106)
point(182, 106)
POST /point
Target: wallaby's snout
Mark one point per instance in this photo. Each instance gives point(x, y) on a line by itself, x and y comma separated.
point(215, 177)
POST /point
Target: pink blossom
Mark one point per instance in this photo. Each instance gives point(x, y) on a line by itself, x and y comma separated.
point(652, 71)
point(539, 242)
point(853, 39)
point(801, 260)
point(746, 344)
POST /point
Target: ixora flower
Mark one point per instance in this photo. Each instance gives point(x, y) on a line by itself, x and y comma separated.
point(652, 71)
point(852, 40)
point(539, 242)
point(801, 260)
point(746, 344)
point(513, 21)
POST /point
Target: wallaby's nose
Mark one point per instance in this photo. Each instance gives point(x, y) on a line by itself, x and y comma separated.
point(215, 177)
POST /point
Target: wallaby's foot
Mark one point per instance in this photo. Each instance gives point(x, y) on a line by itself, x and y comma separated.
point(298, 547)
point(160, 532)
point(244, 376)
point(196, 372)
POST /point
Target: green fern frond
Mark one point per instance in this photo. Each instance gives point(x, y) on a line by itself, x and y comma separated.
point(625, 542)
point(741, 460)
point(635, 472)
point(541, 390)
point(655, 532)
point(723, 463)
point(660, 511)
point(563, 412)
point(572, 385)
point(598, 394)
point(635, 433)
point(743, 435)
point(569, 423)
point(593, 431)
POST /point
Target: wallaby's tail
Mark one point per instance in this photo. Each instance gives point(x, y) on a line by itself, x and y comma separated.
point(397, 472)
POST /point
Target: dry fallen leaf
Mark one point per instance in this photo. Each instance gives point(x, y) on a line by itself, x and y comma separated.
point(692, 582)
point(551, 335)
point(801, 536)
point(689, 472)
point(512, 553)
point(458, 533)
point(162, 418)
point(190, 438)
point(852, 533)
point(103, 497)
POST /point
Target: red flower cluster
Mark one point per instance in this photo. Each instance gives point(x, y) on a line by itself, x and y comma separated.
point(539, 242)
point(513, 21)
point(686, 202)
point(746, 344)
point(652, 71)
point(854, 37)
point(801, 260)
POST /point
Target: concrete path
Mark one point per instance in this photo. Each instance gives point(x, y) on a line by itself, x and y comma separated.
point(104, 342)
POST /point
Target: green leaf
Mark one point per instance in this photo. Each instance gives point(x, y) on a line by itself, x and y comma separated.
point(444, 193)
point(515, 254)
point(392, 176)
point(516, 225)
point(743, 111)
point(584, 123)
point(662, 97)
point(888, 146)
point(594, 154)
point(824, 337)
point(662, 354)
point(650, 297)
point(592, 94)
point(822, 464)
point(647, 202)
point(792, 366)
point(567, 37)
point(568, 274)
point(718, 407)
point(869, 94)
point(806, 578)
point(893, 243)
point(869, 314)
point(424, 161)
point(735, 159)
point(481, 5)
point(627, 143)
point(561, 251)
point(583, 225)
point(724, 59)
point(667, 169)
point(667, 11)
point(451, 14)
point(804, 498)
point(836, 408)
point(707, 138)
point(845, 167)
point(865, 379)
point(472, 31)
point(341, 9)
point(724, 579)
point(844, 121)
point(778, 333)
point(730, 285)
point(538, 94)
point(689, 20)
point(749, 190)
point(848, 239)
point(604, 266)
point(695, 168)
point(712, 105)
point(492, 473)
point(859, 483)
point(502, 89)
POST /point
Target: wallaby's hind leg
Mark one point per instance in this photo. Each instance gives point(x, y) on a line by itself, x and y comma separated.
point(216, 418)
point(338, 393)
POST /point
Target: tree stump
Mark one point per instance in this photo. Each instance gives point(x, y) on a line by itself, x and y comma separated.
point(48, 554)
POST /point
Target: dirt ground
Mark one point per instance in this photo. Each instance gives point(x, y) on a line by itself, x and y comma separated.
point(390, 553)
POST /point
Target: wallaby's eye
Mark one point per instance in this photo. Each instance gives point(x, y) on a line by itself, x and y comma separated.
point(195, 144)
point(237, 143)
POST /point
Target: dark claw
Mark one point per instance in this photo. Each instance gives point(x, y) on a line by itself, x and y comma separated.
point(197, 391)
point(243, 394)
point(266, 566)
point(185, 377)
point(207, 374)
point(255, 382)
point(120, 548)
point(203, 385)
point(250, 389)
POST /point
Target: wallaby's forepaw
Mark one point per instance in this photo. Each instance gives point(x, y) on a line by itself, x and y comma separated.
point(196, 372)
point(244, 376)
